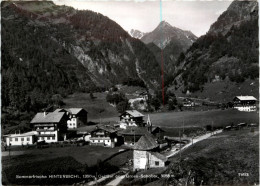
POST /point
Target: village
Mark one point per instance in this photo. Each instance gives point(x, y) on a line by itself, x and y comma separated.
point(150, 147)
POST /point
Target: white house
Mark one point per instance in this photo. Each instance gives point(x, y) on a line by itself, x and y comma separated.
point(28, 138)
point(245, 103)
point(78, 117)
point(104, 136)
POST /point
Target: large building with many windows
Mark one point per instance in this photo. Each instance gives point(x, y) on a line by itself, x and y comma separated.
point(50, 127)
point(28, 138)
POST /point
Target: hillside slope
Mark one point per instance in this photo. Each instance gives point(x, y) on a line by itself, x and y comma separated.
point(227, 53)
point(49, 49)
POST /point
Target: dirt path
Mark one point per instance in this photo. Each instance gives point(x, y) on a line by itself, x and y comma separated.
point(195, 140)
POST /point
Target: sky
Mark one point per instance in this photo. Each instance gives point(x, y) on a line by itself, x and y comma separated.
point(144, 15)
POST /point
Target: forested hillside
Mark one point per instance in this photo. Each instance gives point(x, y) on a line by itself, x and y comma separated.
point(223, 54)
point(50, 51)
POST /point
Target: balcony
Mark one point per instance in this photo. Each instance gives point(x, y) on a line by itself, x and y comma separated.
point(45, 135)
point(45, 130)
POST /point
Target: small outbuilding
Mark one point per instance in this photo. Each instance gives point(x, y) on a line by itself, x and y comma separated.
point(146, 155)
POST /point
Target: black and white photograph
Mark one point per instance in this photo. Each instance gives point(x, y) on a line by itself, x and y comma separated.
point(130, 92)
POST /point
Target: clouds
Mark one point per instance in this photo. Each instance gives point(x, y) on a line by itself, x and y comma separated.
point(196, 16)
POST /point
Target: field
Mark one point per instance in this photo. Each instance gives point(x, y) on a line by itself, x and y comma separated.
point(47, 161)
point(86, 155)
point(221, 158)
point(195, 119)
point(225, 91)
point(202, 118)
point(96, 108)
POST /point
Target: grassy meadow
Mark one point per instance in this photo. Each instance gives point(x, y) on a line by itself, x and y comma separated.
point(96, 108)
point(219, 159)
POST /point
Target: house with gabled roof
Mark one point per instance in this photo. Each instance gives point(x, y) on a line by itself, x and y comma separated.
point(245, 103)
point(50, 127)
point(146, 155)
point(132, 118)
point(105, 135)
point(132, 134)
point(78, 117)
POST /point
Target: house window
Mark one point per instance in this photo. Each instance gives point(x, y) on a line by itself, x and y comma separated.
point(157, 163)
point(11, 139)
point(22, 139)
point(53, 138)
point(28, 139)
point(48, 138)
point(16, 139)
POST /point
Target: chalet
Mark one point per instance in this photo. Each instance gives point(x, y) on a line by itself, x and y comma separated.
point(188, 102)
point(78, 117)
point(245, 103)
point(132, 117)
point(145, 154)
point(50, 127)
point(105, 136)
point(28, 138)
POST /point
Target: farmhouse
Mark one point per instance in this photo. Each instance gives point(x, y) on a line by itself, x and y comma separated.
point(77, 117)
point(158, 133)
point(50, 127)
point(28, 138)
point(105, 136)
point(145, 154)
point(132, 134)
point(132, 117)
point(245, 103)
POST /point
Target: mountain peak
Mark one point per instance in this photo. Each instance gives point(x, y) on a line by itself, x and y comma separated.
point(164, 25)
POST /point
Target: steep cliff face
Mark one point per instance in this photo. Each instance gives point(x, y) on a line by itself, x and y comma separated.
point(236, 14)
point(227, 53)
point(56, 49)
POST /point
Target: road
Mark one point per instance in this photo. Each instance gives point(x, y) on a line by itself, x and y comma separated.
point(117, 180)
point(195, 140)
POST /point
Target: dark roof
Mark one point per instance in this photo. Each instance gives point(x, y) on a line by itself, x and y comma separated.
point(160, 156)
point(53, 117)
point(73, 111)
point(135, 131)
point(157, 129)
point(108, 128)
point(146, 142)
